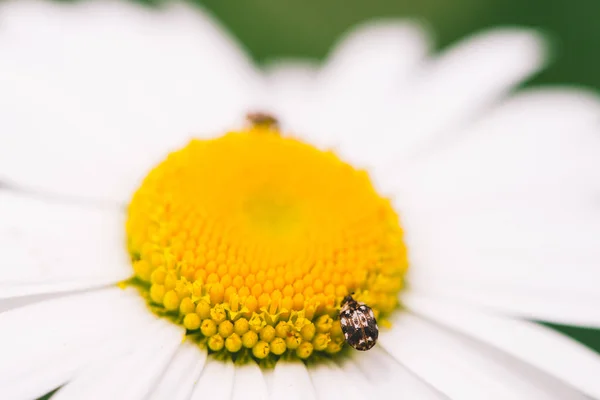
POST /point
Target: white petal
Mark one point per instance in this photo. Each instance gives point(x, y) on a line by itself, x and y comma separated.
point(181, 375)
point(331, 382)
point(54, 339)
point(14, 302)
point(375, 59)
point(517, 261)
point(66, 149)
point(356, 100)
point(458, 84)
point(462, 368)
point(358, 86)
point(269, 374)
point(385, 375)
point(540, 347)
point(539, 141)
point(291, 95)
point(159, 76)
point(558, 306)
point(249, 383)
point(50, 246)
point(130, 376)
point(169, 60)
point(292, 381)
point(216, 381)
point(499, 217)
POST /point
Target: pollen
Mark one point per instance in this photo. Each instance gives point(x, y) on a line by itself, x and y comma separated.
point(252, 240)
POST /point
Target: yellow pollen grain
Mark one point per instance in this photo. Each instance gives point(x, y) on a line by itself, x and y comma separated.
point(304, 350)
point(324, 323)
point(267, 333)
point(203, 309)
point(293, 341)
point(225, 328)
point(320, 341)
point(249, 339)
point(278, 346)
point(191, 322)
point(308, 332)
point(241, 326)
point(283, 329)
point(251, 241)
point(208, 327)
point(261, 350)
point(333, 347)
point(186, 306)
point(233, 343)
point(216, 342)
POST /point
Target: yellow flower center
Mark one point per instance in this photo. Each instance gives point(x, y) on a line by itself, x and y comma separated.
point(251, 241)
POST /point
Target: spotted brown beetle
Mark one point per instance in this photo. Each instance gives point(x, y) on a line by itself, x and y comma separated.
point(358, 324)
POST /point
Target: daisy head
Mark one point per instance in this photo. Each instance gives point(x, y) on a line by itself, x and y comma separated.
point(178, 223)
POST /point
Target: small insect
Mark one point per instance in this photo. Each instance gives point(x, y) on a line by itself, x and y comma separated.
point(263, 119)
point(358, 324)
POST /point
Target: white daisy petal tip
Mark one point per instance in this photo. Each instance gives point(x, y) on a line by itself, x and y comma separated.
point(581, 104)
point(523, 51)
point(410, 36)
point(373, 59)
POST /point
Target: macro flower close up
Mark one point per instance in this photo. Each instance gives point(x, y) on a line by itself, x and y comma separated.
point(158, 245)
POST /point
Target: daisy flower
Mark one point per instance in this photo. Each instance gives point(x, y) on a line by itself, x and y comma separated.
point(156, 246)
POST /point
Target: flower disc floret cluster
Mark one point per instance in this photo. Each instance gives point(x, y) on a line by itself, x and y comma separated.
point(251, 241)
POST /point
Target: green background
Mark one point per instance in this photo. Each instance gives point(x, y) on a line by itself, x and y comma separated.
point(307, 28)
